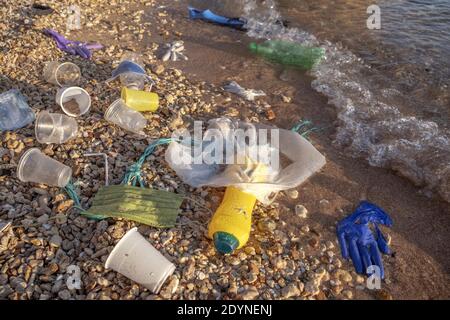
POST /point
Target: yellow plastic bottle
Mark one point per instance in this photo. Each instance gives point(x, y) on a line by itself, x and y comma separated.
point(231, 224)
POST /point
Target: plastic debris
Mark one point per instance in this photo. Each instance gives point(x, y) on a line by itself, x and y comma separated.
point(131, 72)
point(289, 53)
point(248, 94)
point(209, 16)
point(247, 182)
point(357, 240)
point(54, 127)
point(126, 67)
point(79, 48)
point(125, 117)
point(135, 258)
point(35, 166)
point(174, 51)
point(140, 100)
point(14, 110)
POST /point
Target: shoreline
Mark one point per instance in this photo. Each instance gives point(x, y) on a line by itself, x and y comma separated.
point(218, 54)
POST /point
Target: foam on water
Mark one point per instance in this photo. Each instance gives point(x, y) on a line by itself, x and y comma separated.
point(372, 123)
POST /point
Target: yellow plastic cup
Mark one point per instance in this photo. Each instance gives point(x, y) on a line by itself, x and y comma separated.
point(140, 100)
point(231, 224)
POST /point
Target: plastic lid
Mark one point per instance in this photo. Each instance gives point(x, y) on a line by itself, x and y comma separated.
point(253, 47)
point(225, 242)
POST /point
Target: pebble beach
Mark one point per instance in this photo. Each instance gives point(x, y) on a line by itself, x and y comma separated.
point(293, 251)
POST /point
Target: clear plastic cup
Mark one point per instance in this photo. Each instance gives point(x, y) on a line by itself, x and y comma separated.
point(54, 127)
point(34, 166)
point(125, 117)
point(137, 259)
point(63, 74)
point(74, 101)
point(133, 80)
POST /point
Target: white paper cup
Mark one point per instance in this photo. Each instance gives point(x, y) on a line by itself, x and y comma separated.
point(134, 257)
point(74, 101)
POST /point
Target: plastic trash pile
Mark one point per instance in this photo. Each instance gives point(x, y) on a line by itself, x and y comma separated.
point(246, 183)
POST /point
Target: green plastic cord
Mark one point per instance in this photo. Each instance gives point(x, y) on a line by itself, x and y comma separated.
point(71, 191)
point(133, 175)
point(301, 128)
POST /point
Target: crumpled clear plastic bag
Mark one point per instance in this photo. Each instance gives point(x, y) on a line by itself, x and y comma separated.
point(15, 112)
point(298, 160)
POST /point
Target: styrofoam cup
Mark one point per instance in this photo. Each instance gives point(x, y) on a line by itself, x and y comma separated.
point(55, 127)
point(74, 101)
point(134, 257)
point(34, 166)
point(62, 74)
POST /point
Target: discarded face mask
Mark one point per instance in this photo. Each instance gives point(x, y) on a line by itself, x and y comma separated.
point(209, 16)
point(14, 110)
point(248, 94)
point(132, 75)
point(357, 240)
point(174, 51)
point(156, 208)
point(79, 48)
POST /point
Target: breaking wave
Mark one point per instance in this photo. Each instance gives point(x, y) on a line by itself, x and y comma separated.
point(371, 122)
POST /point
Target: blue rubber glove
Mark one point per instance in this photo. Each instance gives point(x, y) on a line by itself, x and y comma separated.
point(210, 16)
point(357, 240)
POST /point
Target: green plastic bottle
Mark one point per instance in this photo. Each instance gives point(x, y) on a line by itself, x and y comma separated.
point(289, 53)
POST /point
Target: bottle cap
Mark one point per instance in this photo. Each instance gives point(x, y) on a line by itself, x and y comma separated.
point(225, 242)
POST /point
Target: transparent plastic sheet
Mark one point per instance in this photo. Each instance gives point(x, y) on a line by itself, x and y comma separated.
point(298, 160)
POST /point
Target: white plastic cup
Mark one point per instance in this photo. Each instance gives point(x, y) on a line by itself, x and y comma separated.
point(34, 166)
point(63, 74)
point(125, 117)
point(138, 260)
point(54, 127)
point(74, 101)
